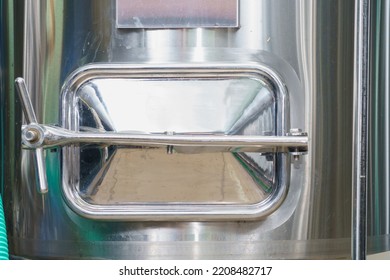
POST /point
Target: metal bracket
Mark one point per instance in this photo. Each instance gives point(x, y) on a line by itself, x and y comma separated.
point(32, 135)
point(296, 152)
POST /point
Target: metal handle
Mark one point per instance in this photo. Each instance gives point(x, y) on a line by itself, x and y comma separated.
point(32, 120)
point(37, 136)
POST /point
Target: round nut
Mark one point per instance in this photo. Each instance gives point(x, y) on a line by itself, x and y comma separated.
point(31, 135)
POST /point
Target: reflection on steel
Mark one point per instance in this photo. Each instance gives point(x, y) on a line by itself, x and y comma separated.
point(311, 39)
point(203, 98)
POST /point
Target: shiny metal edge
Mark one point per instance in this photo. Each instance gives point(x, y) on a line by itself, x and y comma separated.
point(173, 211)
point(360, 128)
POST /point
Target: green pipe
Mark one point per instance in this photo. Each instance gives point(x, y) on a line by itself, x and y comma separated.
point(3, 234)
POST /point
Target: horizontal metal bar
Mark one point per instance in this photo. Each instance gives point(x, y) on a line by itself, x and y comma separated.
point(49, 136)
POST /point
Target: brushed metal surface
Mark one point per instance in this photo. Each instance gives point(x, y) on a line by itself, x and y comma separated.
point(315, 38)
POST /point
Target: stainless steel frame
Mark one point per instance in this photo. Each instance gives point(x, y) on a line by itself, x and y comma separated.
point(38, 136)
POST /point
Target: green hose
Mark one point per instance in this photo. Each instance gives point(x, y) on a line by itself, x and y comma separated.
point(3, 235)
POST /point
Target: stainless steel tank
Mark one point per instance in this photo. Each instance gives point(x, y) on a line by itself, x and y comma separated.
point(180, 129)
point(379, 141)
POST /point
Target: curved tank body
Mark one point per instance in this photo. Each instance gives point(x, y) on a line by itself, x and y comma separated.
point(190, 95)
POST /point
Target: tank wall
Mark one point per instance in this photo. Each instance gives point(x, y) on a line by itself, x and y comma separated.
point(314, 37)
point(379, 183)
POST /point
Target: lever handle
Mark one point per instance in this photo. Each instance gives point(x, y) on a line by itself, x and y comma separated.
point(44, 136)
point(31, 118)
